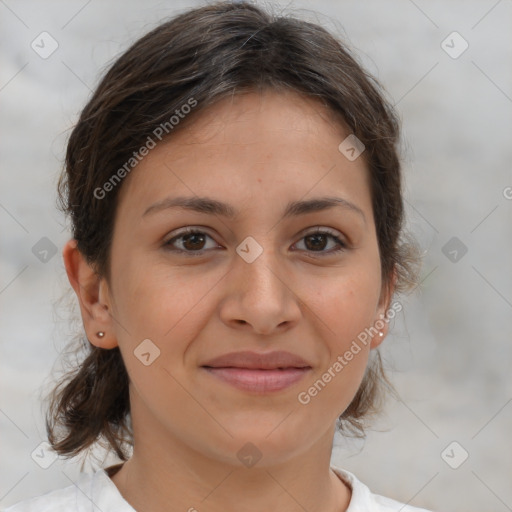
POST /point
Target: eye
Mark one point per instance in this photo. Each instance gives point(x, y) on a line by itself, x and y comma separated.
point(189, 241)
point(193, 241)
point(316, 241)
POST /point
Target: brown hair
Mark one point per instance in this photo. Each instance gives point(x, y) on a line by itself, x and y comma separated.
point(207, 54)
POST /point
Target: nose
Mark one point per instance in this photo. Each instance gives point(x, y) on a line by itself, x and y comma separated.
point(260, 296)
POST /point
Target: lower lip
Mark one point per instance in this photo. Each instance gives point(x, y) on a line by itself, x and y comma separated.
point(259, 381)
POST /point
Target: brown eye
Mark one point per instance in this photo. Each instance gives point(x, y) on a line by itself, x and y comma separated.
point(189, 241)
point(318, 241)
point(193, 242)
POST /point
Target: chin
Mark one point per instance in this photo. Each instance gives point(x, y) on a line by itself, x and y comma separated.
point(255, 447)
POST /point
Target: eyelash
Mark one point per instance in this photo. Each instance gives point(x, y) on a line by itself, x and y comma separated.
point(194, 231)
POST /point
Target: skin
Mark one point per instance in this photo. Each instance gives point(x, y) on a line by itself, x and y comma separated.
point(256, 152)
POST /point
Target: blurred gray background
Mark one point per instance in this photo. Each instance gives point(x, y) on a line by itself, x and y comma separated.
point(450, 351)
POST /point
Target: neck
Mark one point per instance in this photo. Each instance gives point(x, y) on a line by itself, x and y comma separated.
point(175, 477)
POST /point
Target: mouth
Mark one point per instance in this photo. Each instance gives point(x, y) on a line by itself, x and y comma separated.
point(258, 372)
point(259, 380)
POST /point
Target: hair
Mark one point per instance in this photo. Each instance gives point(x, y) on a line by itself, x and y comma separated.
point(210, 53)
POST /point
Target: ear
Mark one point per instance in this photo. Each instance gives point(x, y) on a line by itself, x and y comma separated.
point(93, 297)
point(384, 303)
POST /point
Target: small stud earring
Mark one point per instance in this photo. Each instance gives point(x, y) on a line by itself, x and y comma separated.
point(100, 334)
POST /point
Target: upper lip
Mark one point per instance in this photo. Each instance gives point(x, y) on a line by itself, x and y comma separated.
point(258, 360)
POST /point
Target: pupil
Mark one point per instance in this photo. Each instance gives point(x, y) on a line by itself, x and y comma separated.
point(187, 238)
point(316, 238)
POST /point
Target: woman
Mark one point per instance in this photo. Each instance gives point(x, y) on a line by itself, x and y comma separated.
point(235, 195)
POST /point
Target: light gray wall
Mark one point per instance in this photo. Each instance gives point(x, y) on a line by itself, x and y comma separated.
point(451, 348)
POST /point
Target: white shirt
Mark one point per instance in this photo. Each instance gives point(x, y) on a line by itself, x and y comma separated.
point(97, 493)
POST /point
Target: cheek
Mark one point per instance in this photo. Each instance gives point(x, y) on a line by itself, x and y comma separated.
point(348, 304)
point(167, 310)
point(166, 305)
point(346, 307)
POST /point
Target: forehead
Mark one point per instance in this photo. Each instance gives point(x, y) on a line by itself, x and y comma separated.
point(269, 141)
point(272, 110)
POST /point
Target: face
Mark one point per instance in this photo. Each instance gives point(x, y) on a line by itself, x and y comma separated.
point(256, 276)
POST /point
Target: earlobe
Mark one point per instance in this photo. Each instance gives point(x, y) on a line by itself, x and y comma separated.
point(101, 339)
point(379, 337)
point(381, 322)
point(87, 283)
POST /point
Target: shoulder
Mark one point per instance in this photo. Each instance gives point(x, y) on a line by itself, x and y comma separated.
point(53, 501)
point(363, 500)
point(91, 492)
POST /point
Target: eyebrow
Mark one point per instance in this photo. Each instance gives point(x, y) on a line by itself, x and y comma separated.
point(212, 206)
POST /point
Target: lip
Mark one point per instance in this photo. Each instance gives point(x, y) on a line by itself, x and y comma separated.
point(258, 372)
point(258, 360)
point(259, 381)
